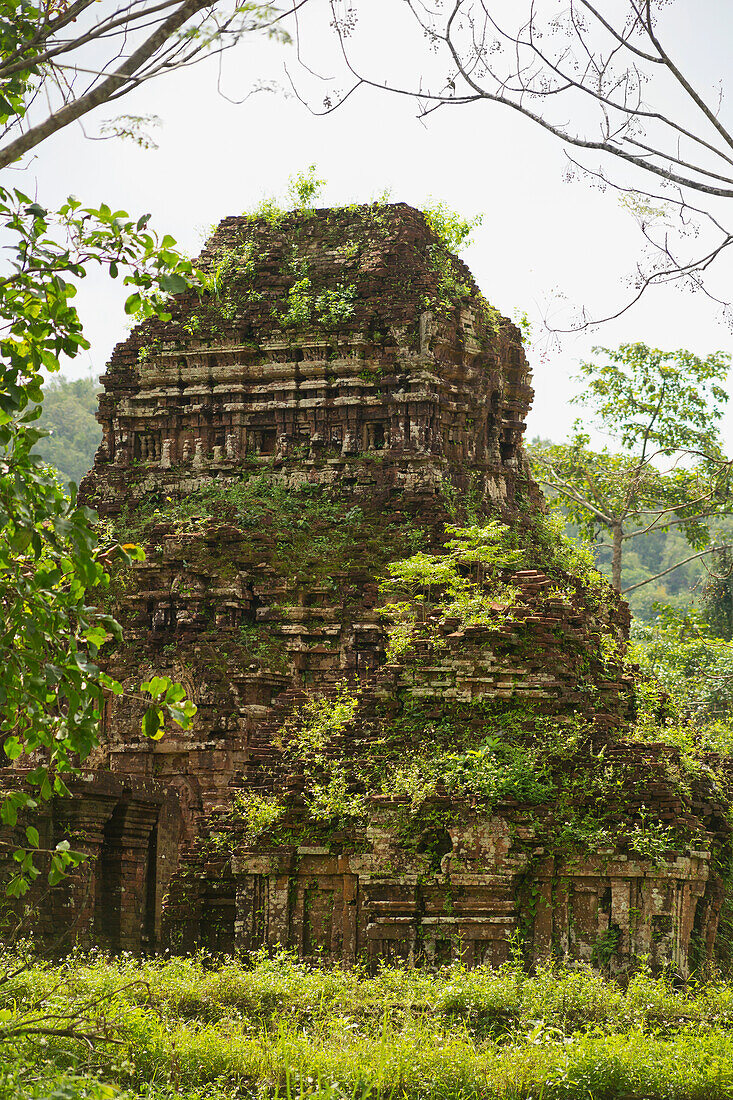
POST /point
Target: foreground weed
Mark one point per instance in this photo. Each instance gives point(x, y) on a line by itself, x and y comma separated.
point(198, 1029)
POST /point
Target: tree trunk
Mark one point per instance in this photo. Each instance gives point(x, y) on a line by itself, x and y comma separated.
point(618, 534)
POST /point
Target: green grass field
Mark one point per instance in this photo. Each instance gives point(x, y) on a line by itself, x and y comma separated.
point(200, 1030)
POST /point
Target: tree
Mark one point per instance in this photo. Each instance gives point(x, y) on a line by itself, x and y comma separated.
point(653, 554)
point(81, 55)
point(694, 668)
point(663, 410)
point(604, 81)
point(51, 688)
point(718, 595)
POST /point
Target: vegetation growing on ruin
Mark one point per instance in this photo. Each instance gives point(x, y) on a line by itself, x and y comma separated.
point(468, 583)
point(453, 230)
point(308, 740)
point(314, 530)
point(330, 308)
point(226, 283)
point(258, 812)
point(260, 643)
point(307, 531)
point(202, 1029)
point(462, 586)
point(488, 752)
point(414, 753)
point(412, 758)
point(484, 754)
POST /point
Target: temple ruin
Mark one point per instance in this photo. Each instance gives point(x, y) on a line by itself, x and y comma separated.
point(413, 703)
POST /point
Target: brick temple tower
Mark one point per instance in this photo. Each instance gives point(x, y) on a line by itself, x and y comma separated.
point(422, 775)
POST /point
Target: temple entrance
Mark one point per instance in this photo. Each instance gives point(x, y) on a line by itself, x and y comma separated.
point(108, 893)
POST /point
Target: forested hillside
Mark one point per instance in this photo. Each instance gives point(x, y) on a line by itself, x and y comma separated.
point(69, 407)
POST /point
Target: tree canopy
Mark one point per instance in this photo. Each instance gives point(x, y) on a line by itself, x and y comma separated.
point(668, 469)
point(678, 652)
point(51, 560)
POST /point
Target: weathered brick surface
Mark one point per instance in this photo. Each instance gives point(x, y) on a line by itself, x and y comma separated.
point(423, 389)
point(406, 404)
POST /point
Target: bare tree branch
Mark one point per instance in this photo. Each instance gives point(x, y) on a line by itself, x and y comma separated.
point(147, 40)
point(671, 569)
point(600, 81)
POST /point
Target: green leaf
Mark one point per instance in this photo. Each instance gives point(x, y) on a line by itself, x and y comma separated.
point(175, 693)
point(152, 723)
point(96, 636)
point(173, 284)
point(17, 887)
point(112, 685)
point(157, 686)
point(8, 813)
point(13, 748)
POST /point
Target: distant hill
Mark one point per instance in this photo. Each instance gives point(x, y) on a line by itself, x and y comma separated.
point(69, 406)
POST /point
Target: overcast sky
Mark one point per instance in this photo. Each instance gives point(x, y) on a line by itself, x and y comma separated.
point(543, 238)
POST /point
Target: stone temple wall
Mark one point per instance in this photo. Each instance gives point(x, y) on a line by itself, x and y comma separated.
point(370, 360)
point(436, 781)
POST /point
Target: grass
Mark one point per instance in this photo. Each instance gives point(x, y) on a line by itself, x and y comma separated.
point(200, 1030)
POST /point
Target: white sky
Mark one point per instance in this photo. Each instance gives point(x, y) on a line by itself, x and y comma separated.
point(541, 235)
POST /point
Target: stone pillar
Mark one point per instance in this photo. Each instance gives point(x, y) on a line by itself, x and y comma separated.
point(621, 904)
point(543, 916)
point(350, 900)
point(251, 907)
point(350, 443)
point(137, 875)
point(278, 916)
point(426, 331)
point(82, 820)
